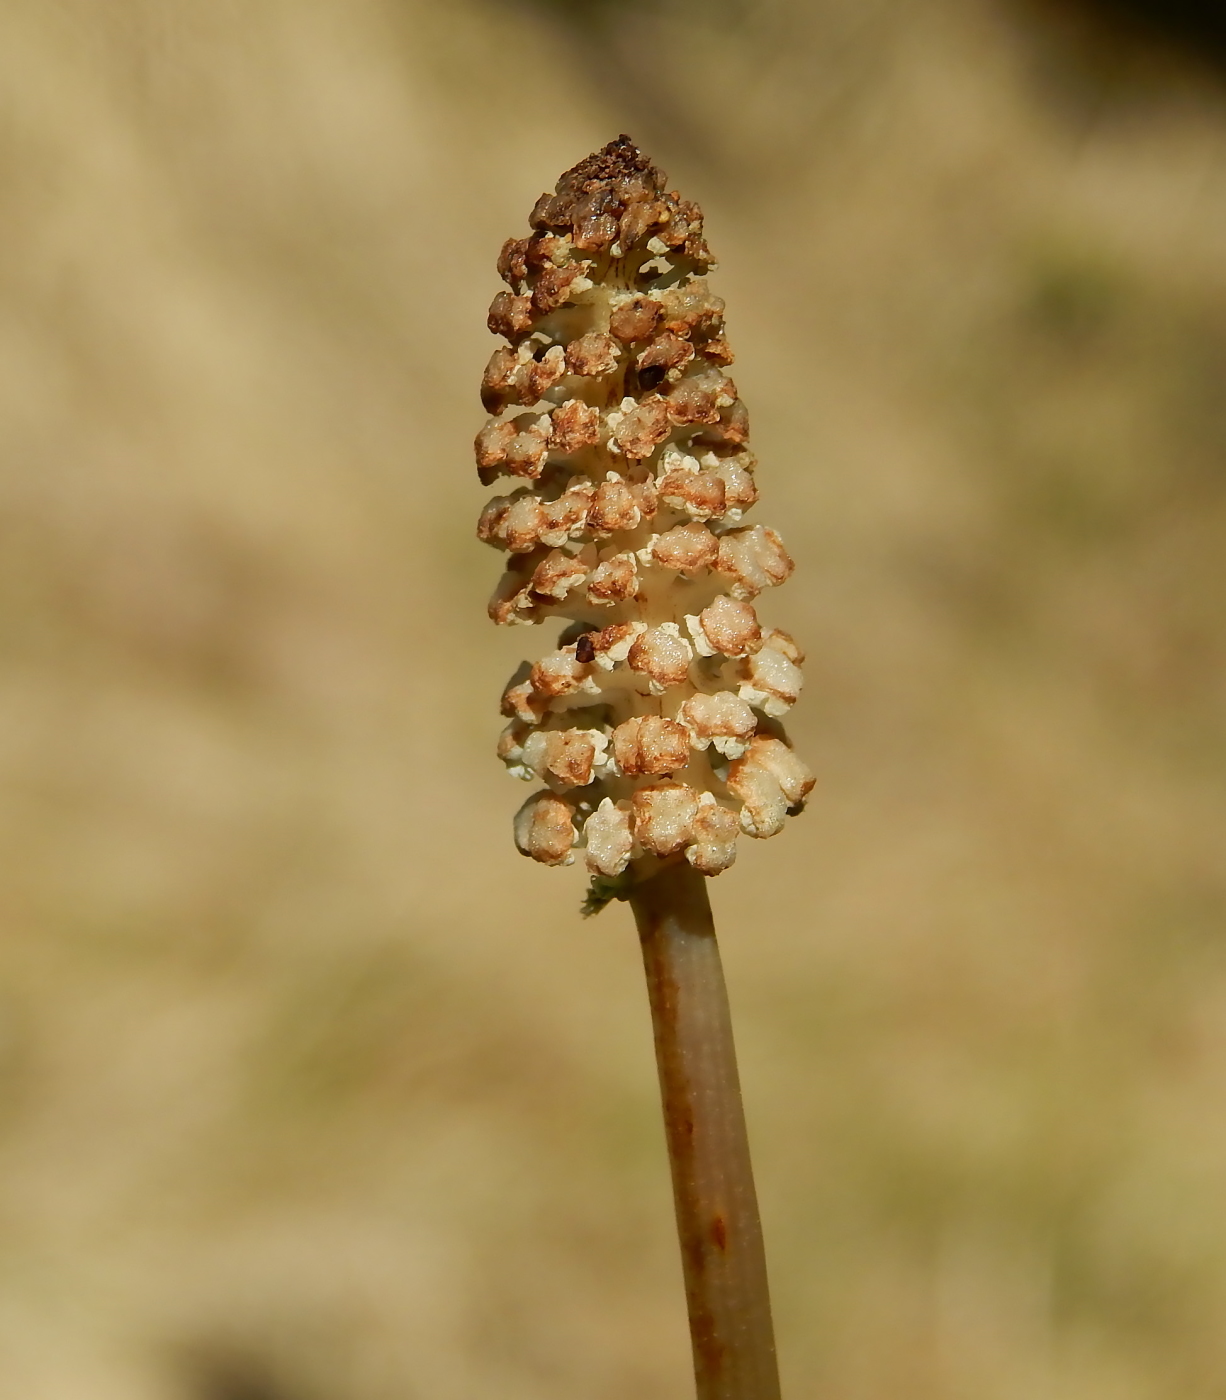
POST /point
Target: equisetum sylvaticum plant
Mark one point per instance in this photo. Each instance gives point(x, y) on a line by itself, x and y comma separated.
point(652, 731)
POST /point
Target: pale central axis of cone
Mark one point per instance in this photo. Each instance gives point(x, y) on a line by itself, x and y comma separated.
point(654, 727)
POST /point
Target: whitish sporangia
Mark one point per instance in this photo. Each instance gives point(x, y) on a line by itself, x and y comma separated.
point(652, 731)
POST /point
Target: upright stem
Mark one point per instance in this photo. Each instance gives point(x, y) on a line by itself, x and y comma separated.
point(708, 1149)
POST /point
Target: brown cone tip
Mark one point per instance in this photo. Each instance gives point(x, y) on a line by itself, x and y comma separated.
point(619, 160)
point(602, 184)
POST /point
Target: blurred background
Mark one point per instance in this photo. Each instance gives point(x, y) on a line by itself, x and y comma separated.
point(310, 1087)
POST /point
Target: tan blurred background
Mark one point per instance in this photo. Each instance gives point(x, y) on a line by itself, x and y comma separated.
point(312, 1089)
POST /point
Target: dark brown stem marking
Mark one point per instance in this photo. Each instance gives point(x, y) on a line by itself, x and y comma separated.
point(717, 1209)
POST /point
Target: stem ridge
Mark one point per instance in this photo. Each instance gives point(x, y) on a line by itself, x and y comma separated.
point(718, 1223)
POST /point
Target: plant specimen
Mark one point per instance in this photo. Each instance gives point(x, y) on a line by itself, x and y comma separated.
point(654, 726)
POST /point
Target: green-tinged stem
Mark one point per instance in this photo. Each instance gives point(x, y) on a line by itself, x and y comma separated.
point(717, 1207)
